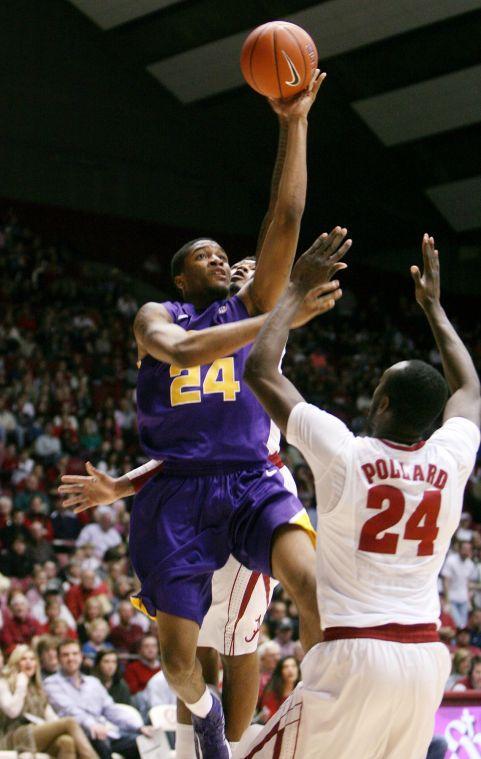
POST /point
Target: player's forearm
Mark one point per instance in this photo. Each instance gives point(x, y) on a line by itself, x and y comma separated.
point(275, 181)
point(457, 364)
point(291, 198)
point(266, 353)
point(207, 345)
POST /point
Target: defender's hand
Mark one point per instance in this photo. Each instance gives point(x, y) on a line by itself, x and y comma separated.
point(321, 261)
point(300, 105)
point(317, 301)
point(97, 489)
point(427, 285)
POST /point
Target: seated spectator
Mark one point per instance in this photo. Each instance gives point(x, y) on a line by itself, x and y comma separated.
point(38, 587)
point(19, 627)
point(17, 562)
point(53, 614)
point(276, 612)
point(269, 655)
point(50, 607)
point(90, 585)
point(462, 640)
point(98, 631)
point(21, 692)
point(88, 558)
point(47, 446)
point(475, 628)
point(284, 637)
point(460, 668)
point(138, 673)
point(111, 727)
point(46, 650)
point(107, 670)
point(40, 548)
point(38, 513)
point(473, 680)
point(283, 681)
point(126, 636)
point(102, 534)
point(93, 610)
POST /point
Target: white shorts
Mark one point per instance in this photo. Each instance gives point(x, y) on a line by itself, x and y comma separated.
point(364, 698)
point(240, 598)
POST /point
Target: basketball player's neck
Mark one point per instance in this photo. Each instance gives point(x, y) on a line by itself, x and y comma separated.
point(394, 434)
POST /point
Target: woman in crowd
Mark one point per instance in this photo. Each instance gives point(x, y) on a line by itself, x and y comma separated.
point(283, 681)
point(107, 671)
point(22, 698)
point(473, 680)
point(460, 668)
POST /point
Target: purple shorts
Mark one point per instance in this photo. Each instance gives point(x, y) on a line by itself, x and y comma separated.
point(184, 527)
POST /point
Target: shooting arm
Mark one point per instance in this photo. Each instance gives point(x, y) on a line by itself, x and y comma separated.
point(164, 341)
point(276, 178)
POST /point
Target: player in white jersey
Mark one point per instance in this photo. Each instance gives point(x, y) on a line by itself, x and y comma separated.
point(388, 506)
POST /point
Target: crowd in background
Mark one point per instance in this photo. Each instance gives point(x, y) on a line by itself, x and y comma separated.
point(67, 395)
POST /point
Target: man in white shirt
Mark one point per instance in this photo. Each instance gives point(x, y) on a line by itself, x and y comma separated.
point(458, 571)
point(102, 534)
point(388, 506)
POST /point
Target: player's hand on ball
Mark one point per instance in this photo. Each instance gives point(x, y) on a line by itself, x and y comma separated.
point(85, 492)
point(427, 285)
point(300, 105)
point(322, 260)
point(318, 301)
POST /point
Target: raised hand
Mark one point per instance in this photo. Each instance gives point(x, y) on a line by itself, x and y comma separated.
point(300, 105)
point(322, 260)
point(427, 285)
point(318, 301)
point(85, 492)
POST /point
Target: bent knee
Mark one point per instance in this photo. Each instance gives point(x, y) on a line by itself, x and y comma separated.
point(177, 667)
point(69, 724)
point(65, 743)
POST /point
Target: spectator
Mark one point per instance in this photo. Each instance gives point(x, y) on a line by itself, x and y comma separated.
point(473, 680)
point(269, 655)
point(40, 548)
point(21, 693)
point(51, 607)
point(138, 673)
point(19, 627)
point(93, 610)
point(107, 671)
point(77, 595)
point(457, 572)
point(46, 649)
point(102, 534)
point(53, 614)
point(284, 679)
point(47, 446)
point(284, 639)
point(37, 514)
point(462, 641)
point(111, 727)
point(125, 637)
point(18, 562)
point(460, 668)
point(98, 631)
point(39, 586)
point(475, 628)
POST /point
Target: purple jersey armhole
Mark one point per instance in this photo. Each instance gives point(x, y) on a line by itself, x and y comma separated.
point(173, 308)
point(237, 306)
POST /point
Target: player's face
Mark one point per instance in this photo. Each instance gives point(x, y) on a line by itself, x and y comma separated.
point(206, 271)
point(241, 273)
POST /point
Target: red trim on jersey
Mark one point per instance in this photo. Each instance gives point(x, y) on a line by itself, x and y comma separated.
point(228, 609)
point(278, 731)
point(275, 459)
point(422, 633)
point(245, 600)
point(400, 447)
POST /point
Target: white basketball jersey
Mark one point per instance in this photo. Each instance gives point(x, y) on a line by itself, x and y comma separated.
point(386, 515)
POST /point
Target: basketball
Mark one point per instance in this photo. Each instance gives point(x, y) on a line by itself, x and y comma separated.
point(278, 59)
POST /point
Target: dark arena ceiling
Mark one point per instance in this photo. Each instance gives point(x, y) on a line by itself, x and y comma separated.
point(137, 108)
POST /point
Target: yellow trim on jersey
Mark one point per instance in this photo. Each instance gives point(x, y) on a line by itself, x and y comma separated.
point(302, 520)
point(138, 604)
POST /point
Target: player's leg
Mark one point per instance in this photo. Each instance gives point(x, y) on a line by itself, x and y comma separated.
point(178, 646)
point(293, 562)
point(184, 741)
point(240, 691)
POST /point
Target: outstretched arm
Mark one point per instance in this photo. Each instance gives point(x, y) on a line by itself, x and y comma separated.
point(276, 176)
point(310, 281)
point(458, 366)
point(276, 256)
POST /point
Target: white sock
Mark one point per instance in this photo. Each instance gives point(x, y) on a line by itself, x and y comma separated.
point(233, 746)
point(184, 742)
point(202, 707)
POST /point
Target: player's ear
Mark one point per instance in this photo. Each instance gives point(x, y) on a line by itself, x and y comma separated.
point(179, 282)
point(383, 404)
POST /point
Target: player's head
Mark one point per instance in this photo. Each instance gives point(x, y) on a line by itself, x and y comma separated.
point(241, 273)
point(200, 269)
point(407, 401)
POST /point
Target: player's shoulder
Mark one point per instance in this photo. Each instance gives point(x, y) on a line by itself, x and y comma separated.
point(457, 430)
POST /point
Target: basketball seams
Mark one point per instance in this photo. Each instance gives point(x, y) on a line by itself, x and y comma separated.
point(274, 39)
point(304, 82)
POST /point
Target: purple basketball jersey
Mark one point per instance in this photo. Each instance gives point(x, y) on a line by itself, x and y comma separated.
point(203, 413)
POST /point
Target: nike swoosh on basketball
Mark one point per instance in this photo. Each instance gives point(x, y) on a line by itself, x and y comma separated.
point(271, 472)
point(294, 73)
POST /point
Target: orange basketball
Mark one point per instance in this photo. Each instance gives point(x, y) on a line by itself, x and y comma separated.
point(278, 59)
